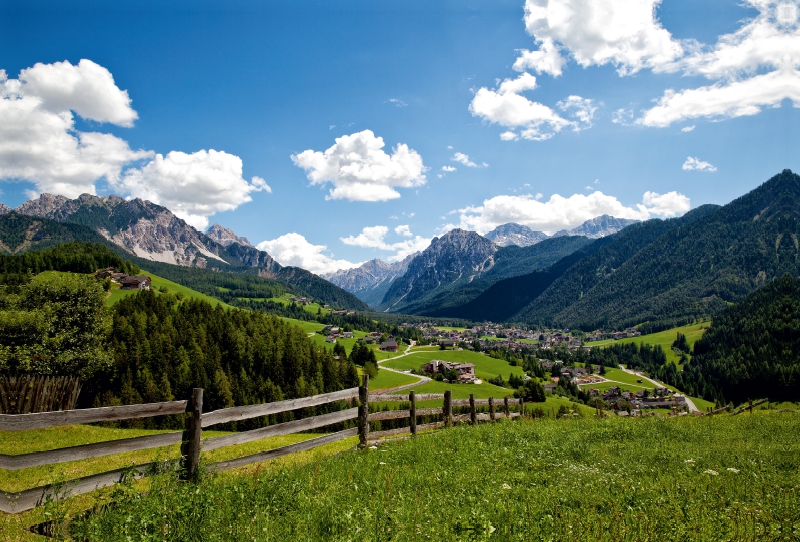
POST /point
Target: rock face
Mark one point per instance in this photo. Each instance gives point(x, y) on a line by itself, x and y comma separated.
point(148, 230)
point(458, 256)
point(369, 275)
point(226, 236)
point(515, 234)
point(4, 209)
point(600, 226)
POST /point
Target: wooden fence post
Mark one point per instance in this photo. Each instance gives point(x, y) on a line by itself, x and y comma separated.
point(522, 408)
point(190, 447)
point(448, 408)
point(473, 413)
point(491, 408)
point(412, 417)
point(363, 413)
point(505, 407)
point(751, 406)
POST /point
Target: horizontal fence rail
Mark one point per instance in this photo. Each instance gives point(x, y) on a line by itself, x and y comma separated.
point(43, 420)
point(192, 442)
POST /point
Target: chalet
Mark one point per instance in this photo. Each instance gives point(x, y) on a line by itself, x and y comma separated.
point(104, 273)
point(549, 387)
point(347, 335)
point(135, 283)
point(335, 331)
point(447, 342)
point(390, 345)
point(331, 339)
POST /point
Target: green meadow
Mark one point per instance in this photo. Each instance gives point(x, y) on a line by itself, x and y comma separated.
point(663, 338)
point(693, 478)
point(485, 366)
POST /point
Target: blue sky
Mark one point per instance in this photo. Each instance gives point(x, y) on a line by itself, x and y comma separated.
point(584, 126)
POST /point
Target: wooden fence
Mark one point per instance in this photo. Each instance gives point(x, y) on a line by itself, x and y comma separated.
point(196, 420)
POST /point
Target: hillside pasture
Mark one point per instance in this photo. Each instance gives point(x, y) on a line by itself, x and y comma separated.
point(485, 366)
point(663, 338)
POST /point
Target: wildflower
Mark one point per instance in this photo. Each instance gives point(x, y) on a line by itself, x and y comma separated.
point(506, 486)
point(381, 463)
point(373, 447)
point(689, 461)
point(711, 472)
point(733, 470)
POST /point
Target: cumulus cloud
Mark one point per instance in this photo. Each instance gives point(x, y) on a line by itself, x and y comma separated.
point(565, 213)
point(693, 164)
point(360, 170)
point(687, 128)
point(375, 237)
point(754, 67)
point(292, 249)
point(38, 139)
point(721, 100)
point(193, 186)
point(624, 33)
point(462, 158)
point(547, 59)
point(397, 102)
point(448, 168)
point(505, 106)
point(39, 143)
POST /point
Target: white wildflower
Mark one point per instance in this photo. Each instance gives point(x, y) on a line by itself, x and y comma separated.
point(689, 461)
point(733, 470)
point(506, 486)
point(711, 472)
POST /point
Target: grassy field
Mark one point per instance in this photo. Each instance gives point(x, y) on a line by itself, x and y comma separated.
point(485, 367)
point(389, 379)
point(664, 338)
point(157, 283)
point(651, 479)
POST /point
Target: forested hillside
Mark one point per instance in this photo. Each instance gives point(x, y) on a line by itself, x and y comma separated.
point(21, 233)
point(752, 349)
point(163, 348)
point(697, 268)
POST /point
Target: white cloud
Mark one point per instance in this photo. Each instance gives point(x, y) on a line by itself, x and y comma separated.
point(397, 102)
point(193, 186)
point(547, 59)
point(755, 67)
point(687, 128)
point(38, 140)
point(623, 116)
point(693, 164)
point(587, 187)
point(360, 171)
point(505, 106)
point(538, 196)
point(564, 213)
point(719, 101)
point(624, 33)
point(462, 158)
point(374, 237)
point(448, 168)
point(292, 249)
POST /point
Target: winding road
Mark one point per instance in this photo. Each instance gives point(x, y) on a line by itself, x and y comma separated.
point(689, 403)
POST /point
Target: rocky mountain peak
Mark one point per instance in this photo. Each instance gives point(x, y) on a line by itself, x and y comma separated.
point(226, 236)
point(4, 209)
point(515, 234)
point(49, 206)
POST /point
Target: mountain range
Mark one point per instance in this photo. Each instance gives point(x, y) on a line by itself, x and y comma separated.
point(157, 240)
point(465, 262)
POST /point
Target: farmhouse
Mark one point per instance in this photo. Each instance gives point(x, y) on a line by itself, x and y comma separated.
point(390, 345)
point(466, 371)
point(135, 283)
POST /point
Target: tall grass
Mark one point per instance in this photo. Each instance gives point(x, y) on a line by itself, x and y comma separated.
point(720, 478)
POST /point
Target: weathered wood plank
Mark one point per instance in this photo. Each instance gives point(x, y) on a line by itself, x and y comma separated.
point(87, 451)
point(285, 450)
point(15, 503)
point(748, 406)
point(42, 420)
point(279, 429)
point(389, 415)
point(429, 426)
point(234, 414)
point(465, 402)
point(392, 397)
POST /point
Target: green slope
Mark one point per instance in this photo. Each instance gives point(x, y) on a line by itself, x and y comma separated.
point(691, 270)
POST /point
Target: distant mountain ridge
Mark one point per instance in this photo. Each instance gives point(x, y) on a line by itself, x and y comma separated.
point(226, 236)
point(153, 233)
point(370, 281)
point(523, 236)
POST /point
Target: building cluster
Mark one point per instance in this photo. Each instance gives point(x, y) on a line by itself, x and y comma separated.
point(659, 398)
point(332, 334)
point(465, 371)
point(127, 282)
